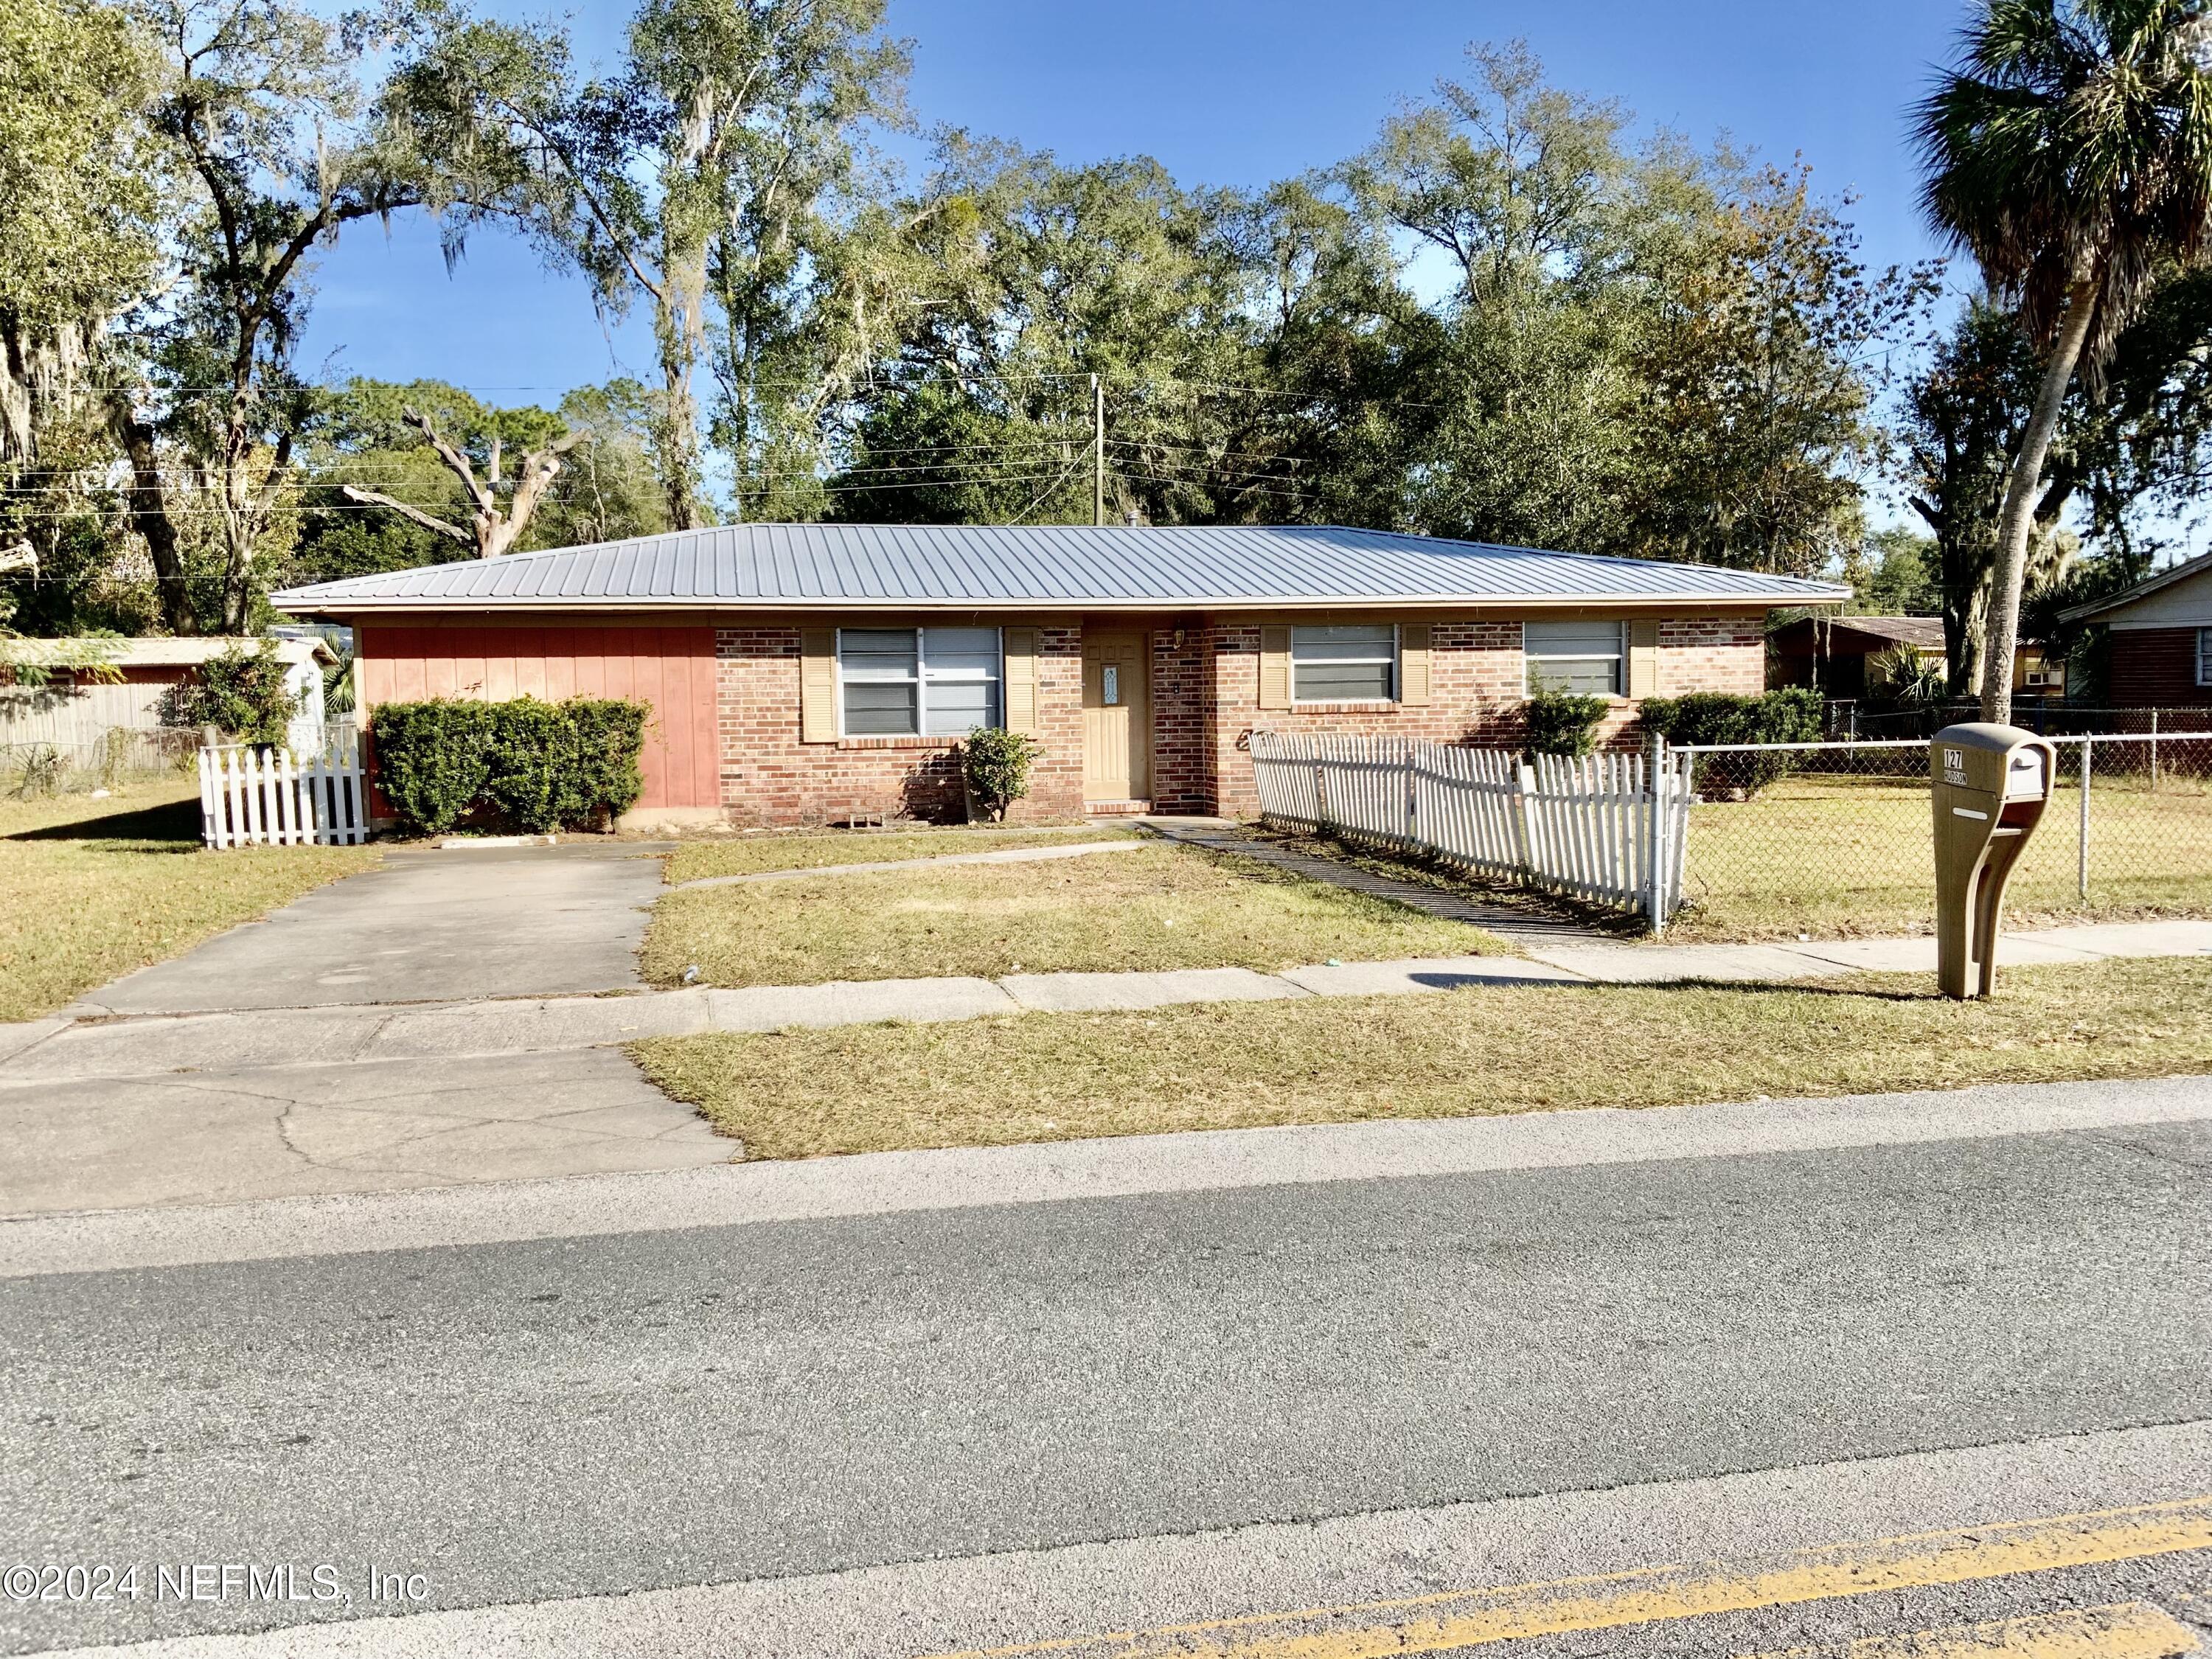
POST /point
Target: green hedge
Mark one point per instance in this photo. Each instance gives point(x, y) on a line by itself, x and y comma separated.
point(1790, 715)
point(1560, 723)
point(536, 766)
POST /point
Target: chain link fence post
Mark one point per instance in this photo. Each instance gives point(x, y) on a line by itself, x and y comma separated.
point(2081, 846)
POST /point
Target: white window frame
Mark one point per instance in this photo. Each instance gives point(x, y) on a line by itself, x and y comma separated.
point(920, 683)
point(1619, 661)
point(2204, 656)
point(1395, 660)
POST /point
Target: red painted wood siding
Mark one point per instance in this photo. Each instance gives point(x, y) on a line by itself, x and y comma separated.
point(671, 670)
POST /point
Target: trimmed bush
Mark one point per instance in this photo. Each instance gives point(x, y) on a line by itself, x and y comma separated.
point(997, 766)
point(434, 759)
point(1790, 715)
point(536, 766)
point(1560, 723)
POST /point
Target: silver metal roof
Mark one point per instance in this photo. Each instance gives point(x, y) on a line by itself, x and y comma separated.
point(848, 567)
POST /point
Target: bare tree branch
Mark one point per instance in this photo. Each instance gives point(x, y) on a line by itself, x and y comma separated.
point(429, 521)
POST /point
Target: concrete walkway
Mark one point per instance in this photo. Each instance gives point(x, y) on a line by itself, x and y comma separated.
point(1524, 929)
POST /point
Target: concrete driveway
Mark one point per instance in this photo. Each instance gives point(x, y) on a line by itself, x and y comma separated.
point(427, 925)
point(166, 1124)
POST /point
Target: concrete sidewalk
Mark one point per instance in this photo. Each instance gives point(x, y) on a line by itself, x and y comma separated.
point(43, 1052)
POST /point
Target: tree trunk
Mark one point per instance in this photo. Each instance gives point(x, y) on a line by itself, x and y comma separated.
point(2001, 641)
point(150, 515)
point(679, 325)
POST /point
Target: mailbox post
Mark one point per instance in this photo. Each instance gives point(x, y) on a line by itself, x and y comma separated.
point(1990, 785)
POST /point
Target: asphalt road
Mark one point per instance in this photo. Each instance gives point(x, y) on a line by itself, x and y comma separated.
point(536, 1418)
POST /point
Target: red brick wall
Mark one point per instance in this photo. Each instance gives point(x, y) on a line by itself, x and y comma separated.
point(1475, 680)
point(2156, 668)
point(1182, 767)
point(770, 777)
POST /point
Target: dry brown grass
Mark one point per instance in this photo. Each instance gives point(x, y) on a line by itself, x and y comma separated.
point(90, 890)
point(1473, 1052)
point(1156, 908)
point(824, 849)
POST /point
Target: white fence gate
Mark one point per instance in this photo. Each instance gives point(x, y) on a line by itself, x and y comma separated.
point(256, 797)
point(1606, 827)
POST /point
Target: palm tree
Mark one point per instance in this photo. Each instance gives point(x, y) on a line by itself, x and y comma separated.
point(2071, 151)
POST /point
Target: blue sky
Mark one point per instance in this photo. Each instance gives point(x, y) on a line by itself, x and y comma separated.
point(1228, 92)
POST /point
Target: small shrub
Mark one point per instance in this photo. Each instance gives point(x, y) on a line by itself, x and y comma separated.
point(242, 695)
point(1901, 678)
point(1790, 715)
point(536, 766)
point(1561, 723)
point(997, 765)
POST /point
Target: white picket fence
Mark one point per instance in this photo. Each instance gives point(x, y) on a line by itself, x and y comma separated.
point(256, 796)
point(1607, 828)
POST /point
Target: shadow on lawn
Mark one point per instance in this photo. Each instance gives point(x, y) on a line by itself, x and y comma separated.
point(176, 822)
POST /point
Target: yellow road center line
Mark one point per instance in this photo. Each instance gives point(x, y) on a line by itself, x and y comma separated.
point(1469, 1618)
point(2127, 1630)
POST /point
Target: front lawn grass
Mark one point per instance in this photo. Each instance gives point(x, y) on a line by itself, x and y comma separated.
point(822, 850)
point(1845, 857)
point(1480, 1051)
point(1154, 908)
point(90, 890)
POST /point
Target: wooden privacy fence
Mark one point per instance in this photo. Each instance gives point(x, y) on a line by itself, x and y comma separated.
point(1608, 828)
point(256, 796)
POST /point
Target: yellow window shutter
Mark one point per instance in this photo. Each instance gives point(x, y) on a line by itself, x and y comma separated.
point(1413, 664)
point(1020, 648)
point(1274, 668)
point(817, 685)
point(1643, 657)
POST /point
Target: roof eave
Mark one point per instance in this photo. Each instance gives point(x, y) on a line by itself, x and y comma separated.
point(300, 605)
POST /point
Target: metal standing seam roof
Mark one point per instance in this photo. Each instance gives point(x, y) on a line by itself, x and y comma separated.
point(821, 566)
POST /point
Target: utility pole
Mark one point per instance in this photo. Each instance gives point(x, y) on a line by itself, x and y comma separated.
point(1097, 451)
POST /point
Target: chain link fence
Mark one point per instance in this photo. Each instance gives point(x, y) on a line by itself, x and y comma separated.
point(1848, 721)
point(1834, 839)
point(123, 755)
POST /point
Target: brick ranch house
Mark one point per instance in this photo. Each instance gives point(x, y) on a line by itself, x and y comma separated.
point(2161, 634)
point(813, 673)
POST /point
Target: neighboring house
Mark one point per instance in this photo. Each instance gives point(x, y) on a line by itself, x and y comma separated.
point(809, 673)
point(1840, 655)
point(1837, 655)
point(2161, 632)
point(85, 708)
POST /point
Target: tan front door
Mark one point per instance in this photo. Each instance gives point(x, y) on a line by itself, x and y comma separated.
point(1117, 718)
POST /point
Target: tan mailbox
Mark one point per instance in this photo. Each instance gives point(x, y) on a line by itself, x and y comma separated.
point(1990, 784)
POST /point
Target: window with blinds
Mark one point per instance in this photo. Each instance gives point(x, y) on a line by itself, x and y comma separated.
point(1355, 662)
point(919, 681)
point(1582, 658)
